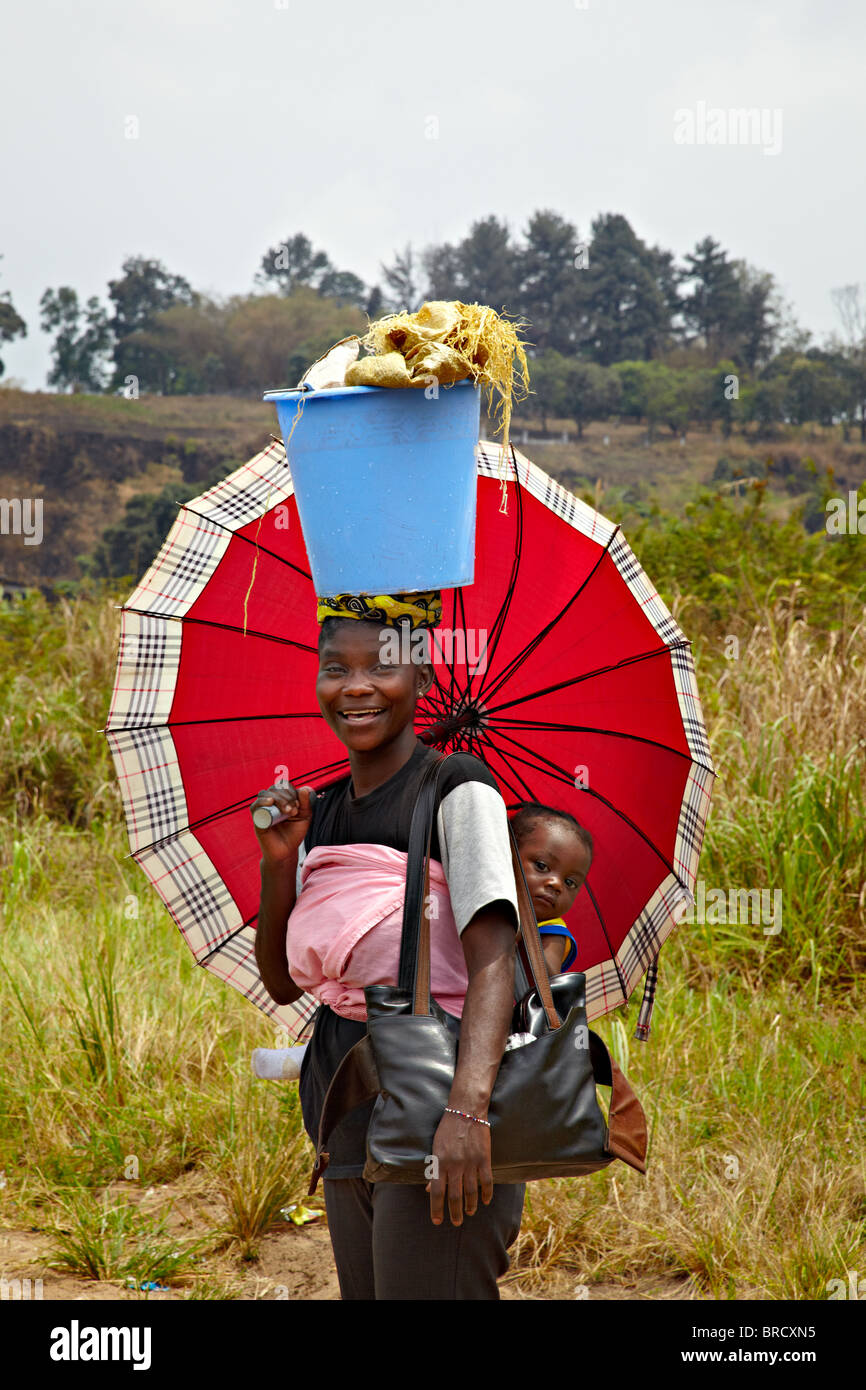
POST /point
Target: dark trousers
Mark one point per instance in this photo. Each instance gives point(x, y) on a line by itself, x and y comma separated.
point(386, 1246)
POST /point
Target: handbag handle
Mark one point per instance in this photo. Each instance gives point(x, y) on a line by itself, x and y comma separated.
point(414, 972)
point(529, 947)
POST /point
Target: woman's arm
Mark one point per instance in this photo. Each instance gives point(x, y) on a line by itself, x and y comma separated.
point(279, 866)
point(461, 1147)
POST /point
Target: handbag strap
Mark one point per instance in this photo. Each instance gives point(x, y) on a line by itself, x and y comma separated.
point(418, 881)
point(414, 971)
point(530, 951)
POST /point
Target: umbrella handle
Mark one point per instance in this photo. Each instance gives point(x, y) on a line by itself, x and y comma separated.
point(266, 817)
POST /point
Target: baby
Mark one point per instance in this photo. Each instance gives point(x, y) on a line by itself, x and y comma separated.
point(556, 852)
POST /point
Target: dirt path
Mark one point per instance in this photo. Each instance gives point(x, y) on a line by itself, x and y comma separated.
point(295, 1263)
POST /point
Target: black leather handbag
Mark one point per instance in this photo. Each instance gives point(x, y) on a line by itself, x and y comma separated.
point(545, 1120)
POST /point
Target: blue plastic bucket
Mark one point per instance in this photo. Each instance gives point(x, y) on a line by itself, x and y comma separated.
point(385, 481)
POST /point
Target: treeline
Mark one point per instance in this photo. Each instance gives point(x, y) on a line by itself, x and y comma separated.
point(819, 385)
point(615, 326)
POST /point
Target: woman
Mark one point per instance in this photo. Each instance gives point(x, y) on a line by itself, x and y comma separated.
point(390, 1240)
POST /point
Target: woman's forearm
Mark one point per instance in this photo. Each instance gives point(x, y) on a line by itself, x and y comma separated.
point(277, 901)
point(489, 944)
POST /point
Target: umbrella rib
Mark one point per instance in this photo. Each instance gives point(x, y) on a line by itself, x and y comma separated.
point(217, 719)
point(527, 724)
point(588, 791)
point(499, 620)
point(465, 691)
point(534, 642)
point(225, 627)
point(213, 816)
point(482, 738)
point(226, 939)
point(305, 574)
point(590, 675)
point(452, 676)
point(613, 955)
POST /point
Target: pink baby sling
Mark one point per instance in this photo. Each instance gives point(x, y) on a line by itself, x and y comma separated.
point(344, 931)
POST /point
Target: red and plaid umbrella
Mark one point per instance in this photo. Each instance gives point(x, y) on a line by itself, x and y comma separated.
point(560, 667)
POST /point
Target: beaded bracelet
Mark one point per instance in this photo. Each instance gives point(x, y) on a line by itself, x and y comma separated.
point(450, 1111)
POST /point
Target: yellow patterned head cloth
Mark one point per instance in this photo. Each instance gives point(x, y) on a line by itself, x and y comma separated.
point(421, 610)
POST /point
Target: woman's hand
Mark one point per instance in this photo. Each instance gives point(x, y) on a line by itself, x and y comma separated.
point(461, 1153)
point(461, 1148)
point(280, 843)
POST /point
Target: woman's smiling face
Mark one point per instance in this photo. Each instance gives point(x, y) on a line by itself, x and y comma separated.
point(365, 696)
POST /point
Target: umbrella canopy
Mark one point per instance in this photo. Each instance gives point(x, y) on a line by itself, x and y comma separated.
point(560, 667)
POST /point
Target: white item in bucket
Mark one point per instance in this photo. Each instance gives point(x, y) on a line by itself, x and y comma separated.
point(278, 1063)
point(330, 371)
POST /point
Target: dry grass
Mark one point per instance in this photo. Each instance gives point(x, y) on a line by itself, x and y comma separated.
point(126, 1067)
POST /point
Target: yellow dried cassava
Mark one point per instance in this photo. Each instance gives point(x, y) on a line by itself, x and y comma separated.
point(388, 370)
point(447, 341)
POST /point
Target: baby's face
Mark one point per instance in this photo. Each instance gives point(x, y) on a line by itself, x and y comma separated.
point(556, 863)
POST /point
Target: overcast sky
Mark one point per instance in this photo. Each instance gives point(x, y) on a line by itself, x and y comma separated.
point(368, 123)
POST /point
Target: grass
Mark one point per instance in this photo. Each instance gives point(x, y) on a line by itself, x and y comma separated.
point(98, 1239)
point(126, 1067)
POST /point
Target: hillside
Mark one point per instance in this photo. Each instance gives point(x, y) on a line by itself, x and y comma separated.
point(87, 455)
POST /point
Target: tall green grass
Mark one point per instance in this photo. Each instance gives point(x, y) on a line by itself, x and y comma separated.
point(126, 1067)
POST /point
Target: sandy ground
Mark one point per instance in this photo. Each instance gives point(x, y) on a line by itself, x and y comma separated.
point(294, 1263)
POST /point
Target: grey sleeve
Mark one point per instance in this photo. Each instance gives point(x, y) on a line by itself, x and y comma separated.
point(302, 854)
point(475, 846)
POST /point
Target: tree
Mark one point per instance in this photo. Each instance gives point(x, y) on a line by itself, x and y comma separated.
point(296, 263)
point(189, 341)
point(246, 343)
point(852, 312)
point(812, 392)
point(724, 404)
point(633, 389)
point(712, 309)
point(656, 393)
point(129, 547)
point(292, 263)
point(441, 266)
point(626, 316)
point(374, 306)
point(548, 385)
point(761, 316)
point(82, 340)
point(482, 268)
point(550, 282)
point(11, 323)
point(763, 404)
point(666, 399)
point(343, 286)
point(403, 289)
point(589, 392)
point(667, 278)
point(271, 340)
point(144, 290)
